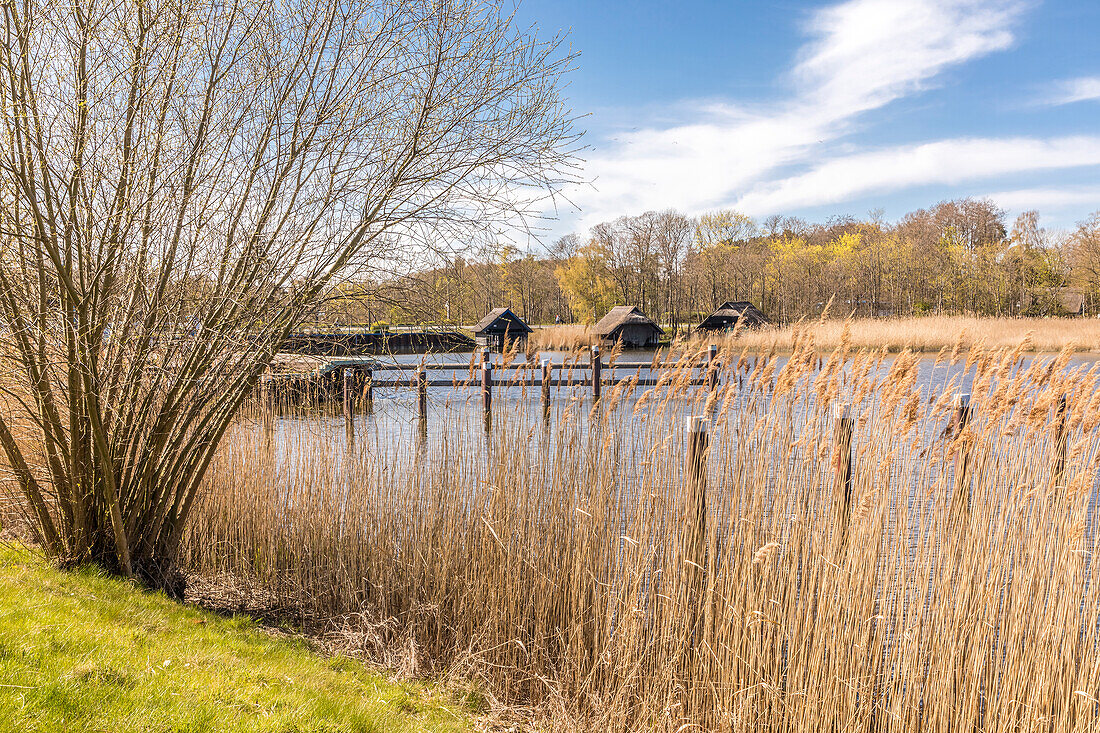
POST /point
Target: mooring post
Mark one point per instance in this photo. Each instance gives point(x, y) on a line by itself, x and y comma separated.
point(695, 525)
point(422, 391)
point(368, 389)
point(712, 368)
point(960, 414)
point(697, 472)
point(487, 386)
point(267, 404)
point(1060, 441)
point(487, 399)
point(597, 368)
point(349, 392)
point(960, 498)
point(842, 489)
point(547, 372)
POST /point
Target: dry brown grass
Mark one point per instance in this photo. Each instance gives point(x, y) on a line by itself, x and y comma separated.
point(562, 338)
point(930, 334)
point(923, 334)
point(561, 567)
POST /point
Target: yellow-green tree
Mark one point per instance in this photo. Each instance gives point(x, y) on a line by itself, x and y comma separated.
point(729, 258)
point(584, 279)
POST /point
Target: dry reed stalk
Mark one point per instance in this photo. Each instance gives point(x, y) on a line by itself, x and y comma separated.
point(547, 561)
point(562, 338)
point(926, 334)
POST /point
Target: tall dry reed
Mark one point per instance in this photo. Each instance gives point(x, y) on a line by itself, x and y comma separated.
point(562, 338)
point(563, 563)
point(929, 334)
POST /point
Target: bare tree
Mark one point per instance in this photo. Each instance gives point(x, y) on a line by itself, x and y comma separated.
point(182, 181)
point(1084, 255)
point(674, 231)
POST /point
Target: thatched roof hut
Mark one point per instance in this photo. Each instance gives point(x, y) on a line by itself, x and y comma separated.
point(628, 324)
point(498, 325)
point(729, 313)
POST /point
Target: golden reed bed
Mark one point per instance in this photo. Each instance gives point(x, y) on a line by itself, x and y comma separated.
point(570, 567)
point(925, 334)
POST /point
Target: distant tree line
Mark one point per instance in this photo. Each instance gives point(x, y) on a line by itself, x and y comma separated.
point(959, 256)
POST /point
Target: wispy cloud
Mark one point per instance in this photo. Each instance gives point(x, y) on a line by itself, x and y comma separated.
point(860, 56)
point(1068, 91)
point(867, 53)
point(1050, 198)
point(943, 161)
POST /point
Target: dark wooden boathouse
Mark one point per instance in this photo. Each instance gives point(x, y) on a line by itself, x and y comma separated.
point(498, 327)
point(629, 325)
point(727, 315)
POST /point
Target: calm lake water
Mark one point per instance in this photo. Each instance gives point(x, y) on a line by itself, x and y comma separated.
point(458, 411)
point(455, 414)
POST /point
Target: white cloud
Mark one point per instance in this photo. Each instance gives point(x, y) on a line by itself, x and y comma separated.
point(861, 56)
point(1068, 91)
point(944, 161)
point(1049, 199)
point(870, 52)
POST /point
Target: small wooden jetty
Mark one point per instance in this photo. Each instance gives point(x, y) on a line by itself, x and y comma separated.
point(354, 378)
point(350, 342)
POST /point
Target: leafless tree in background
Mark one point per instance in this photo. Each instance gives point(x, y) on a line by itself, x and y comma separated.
point(181, 181)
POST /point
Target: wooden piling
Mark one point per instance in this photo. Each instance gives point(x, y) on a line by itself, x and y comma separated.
point(487, 386)
point(695, 521)
point(712, 368)
point(547, 374)
point(960, 414)
point(422, 435)
point(349, 392)
point(368, 389)
point(1060, 442)
point(597, 368)
point(267, 401)
point(422, 391)
point(842, 468)
point(267, 405)
point(960, 497)
point(696, 464)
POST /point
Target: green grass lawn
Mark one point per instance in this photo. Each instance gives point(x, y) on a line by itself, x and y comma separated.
point(81, 651)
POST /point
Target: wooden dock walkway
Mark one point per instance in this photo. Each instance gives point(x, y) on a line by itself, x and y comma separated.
point(351, 379)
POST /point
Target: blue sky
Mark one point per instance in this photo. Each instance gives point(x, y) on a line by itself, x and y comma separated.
point(818, 109)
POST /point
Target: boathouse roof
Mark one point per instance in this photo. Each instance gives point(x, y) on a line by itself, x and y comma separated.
point(499, 321)
point(729, 313)
point(624, 315)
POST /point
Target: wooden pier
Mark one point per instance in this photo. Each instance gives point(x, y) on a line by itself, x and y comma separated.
point(355, 342)
point(352, 380)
